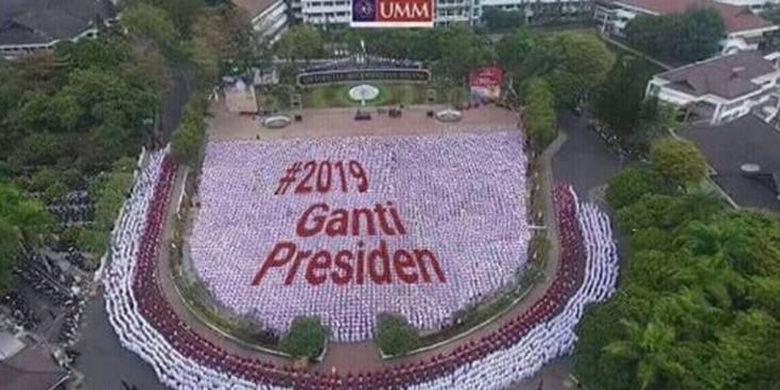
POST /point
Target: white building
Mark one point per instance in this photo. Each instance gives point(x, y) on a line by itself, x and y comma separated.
point(745, 30)
point(339, 12)
point(754, 5)
point(269, 17)
point(722, 88)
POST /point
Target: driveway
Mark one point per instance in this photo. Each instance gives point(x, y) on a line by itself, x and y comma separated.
point(583, 161)
point(103, 361)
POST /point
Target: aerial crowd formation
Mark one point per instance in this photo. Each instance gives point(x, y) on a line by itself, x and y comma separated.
point(147, 324)
point(399, 246)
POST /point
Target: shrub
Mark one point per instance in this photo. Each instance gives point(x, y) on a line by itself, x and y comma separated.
point(306, 338)
point(395, 337)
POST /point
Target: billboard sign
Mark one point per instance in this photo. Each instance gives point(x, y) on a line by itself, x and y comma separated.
point(392, 13)
point(486, 82)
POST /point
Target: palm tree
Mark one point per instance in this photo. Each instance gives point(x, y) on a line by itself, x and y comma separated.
point(651, 347)
point(713, 276)
point(689, 309)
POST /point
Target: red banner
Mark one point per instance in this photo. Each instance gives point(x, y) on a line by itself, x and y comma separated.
point(486, 81)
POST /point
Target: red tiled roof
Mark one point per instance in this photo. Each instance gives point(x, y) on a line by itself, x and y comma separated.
point(736, 18)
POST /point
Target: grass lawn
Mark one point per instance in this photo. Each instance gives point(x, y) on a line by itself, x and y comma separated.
point(389, 95)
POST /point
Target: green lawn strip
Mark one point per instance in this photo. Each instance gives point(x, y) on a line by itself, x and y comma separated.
point(337, 96)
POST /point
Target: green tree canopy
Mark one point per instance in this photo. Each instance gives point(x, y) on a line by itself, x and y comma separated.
point(22, 222)
point(306, 338)
point(631, 184)
point(462, 50)
point(691, 36)
point(395, 336)
point(301, 42)
point(679, 161)
point(621, 105)
point(582, 62)
point(698, 305)
point(698, 34)
point(145, 21)
point(540, 115)
point(524, 54)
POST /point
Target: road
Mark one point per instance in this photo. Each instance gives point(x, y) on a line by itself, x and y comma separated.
point(583, 161)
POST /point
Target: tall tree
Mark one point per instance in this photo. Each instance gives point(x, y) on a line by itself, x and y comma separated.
point(698, 34)
point(582, 63)
point(679, 161)
point(301, 42)
point(462, 50)
point(540, 115)
point(146, 22)
point(651, 347)
point(691, 36)
point(524, 54)
point(619, 101)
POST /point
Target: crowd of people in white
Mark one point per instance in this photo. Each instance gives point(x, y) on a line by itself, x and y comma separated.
point(459, 195)
point(147, 325)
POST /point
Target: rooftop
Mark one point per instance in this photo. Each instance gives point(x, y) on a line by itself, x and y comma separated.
point(736, 18)
point(255, 7)
point(30, 367)
point(44, 21)
point(747, 140)
point(728, 76)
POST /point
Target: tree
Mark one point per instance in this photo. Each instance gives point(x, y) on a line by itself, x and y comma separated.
point(306, 338)
point(395, 336)
point(22, 222)
point(582, 63)
point(189, 136)
point(630, 185)
point(146, 22)
point(679, 161)
point(653, 34)
point(182, 12)
point(540, 116)
point(524, 54)
point(651, 347)
point(691, 36)
point(619, 101)
point(10, 247)
point(598, 328)
point(699, 34)
point(748, 351)
point(461, 51)
point(39, 149)
point(300, 42)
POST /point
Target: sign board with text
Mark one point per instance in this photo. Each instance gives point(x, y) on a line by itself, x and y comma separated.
point(392, 13)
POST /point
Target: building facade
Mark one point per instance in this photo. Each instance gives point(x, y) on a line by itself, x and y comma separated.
point(722, 88)
point(338, 12)
point(269, 17)
point(744, 29)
